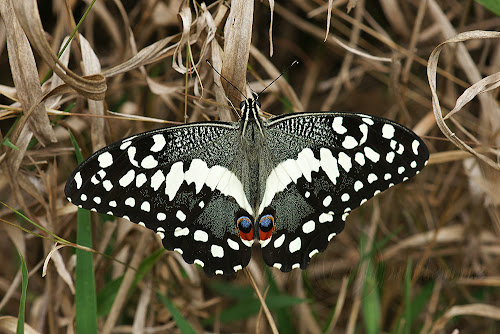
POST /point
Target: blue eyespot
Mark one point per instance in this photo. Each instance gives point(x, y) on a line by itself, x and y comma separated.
point(266, 223)
point(244, 224)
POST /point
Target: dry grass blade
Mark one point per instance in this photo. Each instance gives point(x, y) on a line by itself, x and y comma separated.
point(481, 310)
point(25, 76)
point(8, 325)
point(238, 32)
point(267, 313)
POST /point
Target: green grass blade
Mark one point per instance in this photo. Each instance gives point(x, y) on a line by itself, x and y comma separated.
point(407, 297)
point(85, 294)
point(181, 322)
point(492, 5)
point(24, 288)
point(370, 305)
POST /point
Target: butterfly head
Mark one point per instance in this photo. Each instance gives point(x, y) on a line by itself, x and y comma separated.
point(250, 107)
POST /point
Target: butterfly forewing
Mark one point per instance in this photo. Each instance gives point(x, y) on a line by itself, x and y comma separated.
point(176, 182)
point(331, 164)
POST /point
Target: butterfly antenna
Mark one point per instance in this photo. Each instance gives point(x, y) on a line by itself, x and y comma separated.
point(286, 70)
point(229, 82)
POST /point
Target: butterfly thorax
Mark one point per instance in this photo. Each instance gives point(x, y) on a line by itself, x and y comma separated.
point(252, 140)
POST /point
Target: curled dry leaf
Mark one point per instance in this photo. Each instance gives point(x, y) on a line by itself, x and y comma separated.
point(93, 87)
point(484, 85)
point(60, 266)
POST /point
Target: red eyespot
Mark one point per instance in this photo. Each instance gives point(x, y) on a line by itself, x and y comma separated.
point(266, 226)
point(245, 227)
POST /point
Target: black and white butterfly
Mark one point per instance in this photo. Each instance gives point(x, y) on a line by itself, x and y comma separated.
point(211, 189)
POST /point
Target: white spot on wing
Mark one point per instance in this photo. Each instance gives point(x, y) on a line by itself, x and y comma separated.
point(345, 197)
point(200, 235)
point(131, 156)
point(358, 185)
point(78, 180)
point(145, 206)
point(149, 162)
point(349, 142)
point(312, 253)
point(414, 146)
point(388, 131)
point(174, 179)
point(337, 126)
point(130, 202)
point(161, 216)
point(371, 154)
point(278, 242)
point(372, 178)
point(345, 161)
point(107, 185)
point(180, 215)
point(360, 158)
point(157, 180)
point(327, 201)
point(330, 237)
point(367, 120)
point(295, 245)
point(325, 217)
point(181, 232)
point(390, 157)
point(199, 262)
point(125, 145)
point(140, 180)
point(364, 130)
point(309, 226)
point(233, 244)
point(217, 251)
point(127, 178)
point(105, 159)
point(112, 204)
point(159, 143)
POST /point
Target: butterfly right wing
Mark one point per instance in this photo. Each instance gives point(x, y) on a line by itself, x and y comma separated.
point(177, 182)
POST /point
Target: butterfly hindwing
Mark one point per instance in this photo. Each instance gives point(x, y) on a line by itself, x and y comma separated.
point(170, 182)
point(335, 163)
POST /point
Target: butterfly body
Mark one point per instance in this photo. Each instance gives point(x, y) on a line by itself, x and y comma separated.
point(211, 189)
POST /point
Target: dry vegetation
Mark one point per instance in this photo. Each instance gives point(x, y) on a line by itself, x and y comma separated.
point(421, 257)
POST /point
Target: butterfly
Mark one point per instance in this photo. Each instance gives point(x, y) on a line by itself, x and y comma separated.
point(211, 189)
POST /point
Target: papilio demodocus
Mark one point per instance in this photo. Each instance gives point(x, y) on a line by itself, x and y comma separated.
point(210, 189)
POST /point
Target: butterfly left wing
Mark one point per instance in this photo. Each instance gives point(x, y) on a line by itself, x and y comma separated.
point(178, 182)
point(334, 163)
